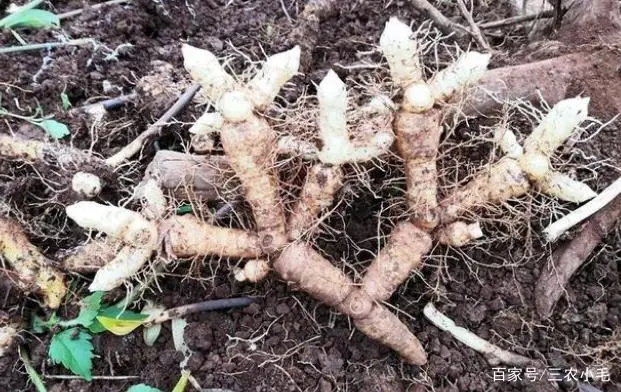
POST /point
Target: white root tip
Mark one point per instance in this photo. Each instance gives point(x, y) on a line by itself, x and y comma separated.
point(276, 71)
point(253, 271)
point(558, 125)
point(207, 123)
point(563, 187)
point(465, 72)
point(535, 165)
point(155, 204)
point(206, 70)
point(417, 98)
point(459, 233)
point(235, 106)
point(508, 143)
point(127, 263)
point(86, 184)
point(401, 52)
point(117, 222)
point(332, 96)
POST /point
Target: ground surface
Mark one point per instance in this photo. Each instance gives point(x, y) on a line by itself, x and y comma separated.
point(300, 345)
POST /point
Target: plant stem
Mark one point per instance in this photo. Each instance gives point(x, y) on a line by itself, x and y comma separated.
point(205, 306)
point(48, 45)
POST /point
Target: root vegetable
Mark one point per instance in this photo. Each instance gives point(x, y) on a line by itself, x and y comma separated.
point(563, 187)
point(207, 71)
point(235, 106)
point(465, 72)
point(208, 123)
point(300, 264)
point(251, 149)
point(128, 262)
point(187, 236)
point(90, 256)
point(556, 229)
point(34, 150)
point(418, 98)
point(418, 139)
point(86, 184)
point(508, 143)
point(155, 204)
point(395, 262)
point(500, 182)
point(458, 233)
point(494, 354)
point(193, 177)
point(569, 257)
point(32, 269)
point(401, 51)
point(322, 184)
point(290, 145)
point(118, 222)
point(253, 271)
point(276, 71)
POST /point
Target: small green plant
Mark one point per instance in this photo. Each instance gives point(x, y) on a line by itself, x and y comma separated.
point(71, 344)
point(28, 16)
point(179, 387)
point(55, 129)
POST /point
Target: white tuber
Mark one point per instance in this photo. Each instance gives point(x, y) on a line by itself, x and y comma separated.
point(557, 126)
point(208, 123)
point(535, 165)
point(508, 143)
point(253, 271)
point(565, 188)
point(155, 204)
point(556, 229)
point(207, 71)
point(117, 222)
point(235, 106)
point(417, 98)
point(466, 71)
point(494, 354)
point(459, 233)
point(276, 71)
point(127, 262)
point(401, 52)
point(332, 96)
point(86, 184)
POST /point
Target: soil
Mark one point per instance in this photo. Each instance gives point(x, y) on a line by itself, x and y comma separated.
point(287, 341)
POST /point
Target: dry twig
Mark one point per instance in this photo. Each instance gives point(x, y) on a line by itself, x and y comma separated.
point(476, 31)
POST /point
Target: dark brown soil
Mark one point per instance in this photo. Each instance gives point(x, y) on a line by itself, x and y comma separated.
point(287, 341)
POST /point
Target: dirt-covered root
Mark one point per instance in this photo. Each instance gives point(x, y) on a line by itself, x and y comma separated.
point(495, 184)
point(31, 271)
point(188, 236)
point(322, 184)
point(401, 255)
point(194, 177)
point(311, 273)
point(418, 140)
point(88, 257)
point(458, 233)
point(251, 149)
point(569, 257)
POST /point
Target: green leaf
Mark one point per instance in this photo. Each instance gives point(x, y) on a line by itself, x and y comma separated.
point(34, 18)
point(89, 311)
point(183, 381)
point(142, 388)
point(39, 325)
point(55, 129)
point(184, 209)
point(73, 348)
point(64, 99)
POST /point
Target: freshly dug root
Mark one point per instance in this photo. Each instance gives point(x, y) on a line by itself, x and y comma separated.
point(253, 271)
point(463, 73)
point(250, 147)
point(494, 354)
point(187, 236)
point(89, 257)
point(300, 264)
point(32, 270)
point(396, 261)
point(458, 233)
point(207, 71)
point(8, 333)
point(194, 177)
point(153, 199)
point(500, 182)
point(563, 187)
point(34, 150)
point(569, 257)
point(337, 147)
point(401, 52)
point(418, 139)
point(126, 225)
point(322, 184)
point(128, 261)
point(86, 184)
